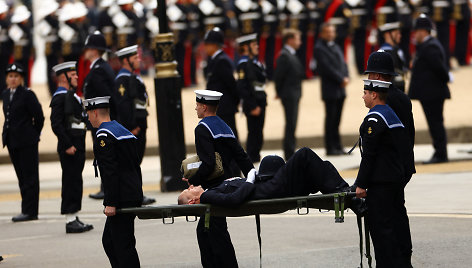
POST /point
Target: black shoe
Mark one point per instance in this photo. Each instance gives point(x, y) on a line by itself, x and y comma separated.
point(436, 160)
point(99, 195)
point(24, 217)
point(148, 200)
point(77, 226)
point(1, 258)
point(335, 152)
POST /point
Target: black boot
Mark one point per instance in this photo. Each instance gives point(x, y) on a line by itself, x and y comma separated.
point(148, 200)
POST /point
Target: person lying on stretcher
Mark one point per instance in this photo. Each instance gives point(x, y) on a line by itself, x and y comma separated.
point(304, 173)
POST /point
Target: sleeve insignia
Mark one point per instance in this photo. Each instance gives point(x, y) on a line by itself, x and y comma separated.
point(102, 143)
point(241, 74)
point(122, 90)
point(369, 130)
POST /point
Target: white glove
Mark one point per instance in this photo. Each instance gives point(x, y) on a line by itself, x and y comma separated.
point(251, 176)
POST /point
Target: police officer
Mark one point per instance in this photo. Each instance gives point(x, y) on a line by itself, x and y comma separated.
point(251, 87)
point(219, 75)
point(429, 78)
point(384, 145)
point(6, 44)
point(24, 121)
point(48, 29)
point(115, 151)
point(21, 34)
point(100, 80)
point(132, 99)
point(392, 36)
point(68, 123)
point(212, 135)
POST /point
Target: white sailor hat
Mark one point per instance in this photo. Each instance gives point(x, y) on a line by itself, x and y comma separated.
point(127, 51)
point(209, 97)
point(124, 2)
point(390, 26)
point(246, 38)
point(96, 103)
point(106, 3)
point(64, 67)
point(47, 8)
point(3, 7)
point(376, 85)
point(20, 14)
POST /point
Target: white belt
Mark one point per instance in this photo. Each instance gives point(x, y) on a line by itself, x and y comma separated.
point(459, 2)
point(259, 88)
point(178, 26)
point(423, 9)
point(314, 15)
point(270, 18)
point(194, 24)
point(140, 106)
point(249, 16)
point(213, 20)
point(81, 125)
point(51, 38)
point(337, 21)
point(126, 30)
point(404, 10)
point(386, 10)
point(359, 11)
point(440, 3)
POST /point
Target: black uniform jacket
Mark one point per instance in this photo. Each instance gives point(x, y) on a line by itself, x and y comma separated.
point(66, 120)
point(429, 75)
point(99, 82)
point(219, 76)
point(131, 99)
point(384, 146)
point(117, 159)
point(213, 135)
point(251, 83)
point(401, 105)
point(24, 118)
point(288, 75)
point(332, 69)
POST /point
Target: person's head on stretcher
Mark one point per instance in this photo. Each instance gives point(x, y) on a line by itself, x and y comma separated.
point(191, 195)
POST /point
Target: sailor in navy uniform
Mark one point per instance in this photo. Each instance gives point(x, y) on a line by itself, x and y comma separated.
point(219, 76)
point(132, 99)
point(6, 43)
point(251, 87)
point(392, 36)
point(212, 135)
point(117, 159)
point(384, 144)
point(24, 121)
point(100, 80)
point(68, 123)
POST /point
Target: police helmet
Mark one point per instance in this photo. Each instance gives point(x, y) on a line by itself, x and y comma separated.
point(380, 62)
point(15, 67)
point(269, 166)
point(96, 40)
point(214, 36)
point(423, 22)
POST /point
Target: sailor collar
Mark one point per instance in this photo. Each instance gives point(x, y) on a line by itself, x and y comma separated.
point(115, 129)
point(217, 127)
point(387, 115)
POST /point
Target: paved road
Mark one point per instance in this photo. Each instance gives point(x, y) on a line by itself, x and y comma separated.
point(437, 201)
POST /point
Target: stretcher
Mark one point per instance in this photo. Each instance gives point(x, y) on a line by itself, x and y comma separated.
point(337, 202)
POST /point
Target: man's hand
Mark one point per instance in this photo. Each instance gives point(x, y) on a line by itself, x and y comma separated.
point(71, 150)
point(186, 180)
point(136, 131)
point(360, 193)
point(256, 111)
point(109, 211)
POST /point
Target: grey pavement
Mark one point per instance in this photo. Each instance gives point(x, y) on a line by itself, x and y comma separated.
point(437, 199)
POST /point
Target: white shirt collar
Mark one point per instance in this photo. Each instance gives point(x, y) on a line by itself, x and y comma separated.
point(93, 62)
point(216, 53)
point(426, 38)
point(290, 49)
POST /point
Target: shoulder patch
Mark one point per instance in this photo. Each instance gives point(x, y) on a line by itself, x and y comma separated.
point(102, 143)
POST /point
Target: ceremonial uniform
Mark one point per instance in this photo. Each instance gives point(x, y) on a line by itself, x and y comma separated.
point(130, 32)
point(251, 88)
point(72, 32)
point(115, 152)
point(305, 173)
point(212, 135)
point(131, 106)
point(338, 14)
point(249, 16)
point(6, 45)
point(52, 48)
point(179, 26)
point(440, 13)
point(384, 143)
point(106, 26)
point(99, 82)
point(24, 121)
point(298, 19)
point(461, 15)
point(361, 17)
point(213, 15)
point(22, 37)
point(268, 35)
point(332, 70)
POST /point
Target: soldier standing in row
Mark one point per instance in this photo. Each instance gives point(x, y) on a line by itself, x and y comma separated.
point(72, 31)
point(68, 123)
point(461, 15)
point(5, 43)
point(268, 34)
point(22, 38)
point(131, 101)
point(392, 36)
point(129, 27)
point(440, 13)
point(251, 87)
point(24, 121)
point(361, 16)
point(115, 152)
